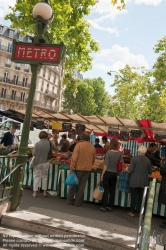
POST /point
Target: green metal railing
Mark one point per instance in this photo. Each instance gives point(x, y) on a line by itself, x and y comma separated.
point(145, 238)
point(7, 171)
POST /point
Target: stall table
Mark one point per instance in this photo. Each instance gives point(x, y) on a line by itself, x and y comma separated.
point(121, 199)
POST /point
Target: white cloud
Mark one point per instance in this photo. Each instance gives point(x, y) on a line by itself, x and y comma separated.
point(4, 7)
point(106, 10)
point(117, 57)
point(149, 2)
point(107, 29)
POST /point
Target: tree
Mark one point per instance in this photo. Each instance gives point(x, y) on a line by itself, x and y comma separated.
point(125, 103)
point(90, 98)
point(69, 26)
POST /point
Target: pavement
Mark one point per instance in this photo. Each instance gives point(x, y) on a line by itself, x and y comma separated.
point(88, 214)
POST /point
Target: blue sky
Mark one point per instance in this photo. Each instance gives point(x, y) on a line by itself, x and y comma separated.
point(125, 37)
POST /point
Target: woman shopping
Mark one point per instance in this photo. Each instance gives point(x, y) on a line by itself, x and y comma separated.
point(139, 169)
point(109, 175)
point(40, 163)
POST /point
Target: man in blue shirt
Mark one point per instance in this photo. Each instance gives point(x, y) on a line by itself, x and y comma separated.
point(8, 138)
point(97, 145)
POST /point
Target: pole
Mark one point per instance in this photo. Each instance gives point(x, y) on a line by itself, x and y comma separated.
point(22, 152)
point(145, 239)
point(141, 218)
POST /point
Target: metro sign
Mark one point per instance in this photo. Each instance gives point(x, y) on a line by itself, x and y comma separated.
point(48, 54)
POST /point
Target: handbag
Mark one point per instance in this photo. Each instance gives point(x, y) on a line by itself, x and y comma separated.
point(72, 179)
point(120, 166)
point(98, 192)
point(50, 155)
point(32, 162)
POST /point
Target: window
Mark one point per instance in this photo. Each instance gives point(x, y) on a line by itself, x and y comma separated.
point(26, 67)
point(49, 75)
point(20, 37)
point(11, 33)
point(6, 77)
point(54, 81)
point(22, 97)
point(13, 95)
point(42, 86)
point(9, 47)
point(44, 72)
point(0, 44)
point(8, 62)
point(17, 66)
point(29, 39)
point(3, 92)
point(53, 90)
point(1, 29)
point(15, 80)
point(24, 81)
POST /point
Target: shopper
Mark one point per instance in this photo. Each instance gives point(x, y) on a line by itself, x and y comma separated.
point(40, 163)
point(72, 146)
point(149, 154)
point(109, 175)
point(139, 169)
point(106, 144)
point(52, 145)
point(162, 191)
point(83, 158)
point(8, 138)
point(97, 145)
point(65, 144)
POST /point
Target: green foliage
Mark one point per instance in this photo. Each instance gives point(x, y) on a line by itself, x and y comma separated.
point(69, 26)
point(89, 98)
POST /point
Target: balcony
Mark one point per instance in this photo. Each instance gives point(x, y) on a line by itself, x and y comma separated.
point(18, 68)
point(6, 49)
point(8, 65)
point(13, 99)
point(42, 105)
point(14, 82)
point(50, 94)
point(26, 70)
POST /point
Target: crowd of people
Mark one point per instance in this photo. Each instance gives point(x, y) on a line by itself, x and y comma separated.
point(82, 159)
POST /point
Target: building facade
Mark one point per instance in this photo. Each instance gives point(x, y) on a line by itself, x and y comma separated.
point(15, 78)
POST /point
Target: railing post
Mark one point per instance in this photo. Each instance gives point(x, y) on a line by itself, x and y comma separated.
point(145, 238)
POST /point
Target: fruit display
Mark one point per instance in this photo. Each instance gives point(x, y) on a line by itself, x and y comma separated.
point(156, 173)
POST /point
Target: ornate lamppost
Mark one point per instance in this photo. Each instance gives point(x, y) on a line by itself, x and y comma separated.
point(37, 53)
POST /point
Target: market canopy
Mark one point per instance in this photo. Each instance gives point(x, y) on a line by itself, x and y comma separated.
point(94, 123)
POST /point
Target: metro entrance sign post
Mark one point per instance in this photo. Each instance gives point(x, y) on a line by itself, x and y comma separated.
point(36, 54)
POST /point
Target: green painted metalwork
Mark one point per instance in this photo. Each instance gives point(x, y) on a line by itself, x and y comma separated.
point(22, 157)
point(145, 239)
point(7, 164)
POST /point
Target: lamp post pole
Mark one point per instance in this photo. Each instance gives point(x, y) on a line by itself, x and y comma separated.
point(41, 24)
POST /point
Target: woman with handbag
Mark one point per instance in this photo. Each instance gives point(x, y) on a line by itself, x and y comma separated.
point(40, 163)
point(109, 175)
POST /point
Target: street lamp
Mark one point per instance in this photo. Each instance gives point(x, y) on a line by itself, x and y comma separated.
point(109, 73)
point(43, 15)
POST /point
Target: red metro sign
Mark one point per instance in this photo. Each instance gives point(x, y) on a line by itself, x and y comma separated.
point(36, 54)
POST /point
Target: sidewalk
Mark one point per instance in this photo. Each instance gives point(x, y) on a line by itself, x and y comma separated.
point(88, 214)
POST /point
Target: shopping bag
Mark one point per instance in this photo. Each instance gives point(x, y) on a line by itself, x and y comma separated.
point(123, 182)
point(72, 179)
point(98, 192)
point(120, 166)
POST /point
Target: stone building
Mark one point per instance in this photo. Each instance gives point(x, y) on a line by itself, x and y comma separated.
point(15, 78)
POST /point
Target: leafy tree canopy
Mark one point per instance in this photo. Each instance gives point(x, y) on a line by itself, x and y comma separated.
point(90, 97)
point(69, 26)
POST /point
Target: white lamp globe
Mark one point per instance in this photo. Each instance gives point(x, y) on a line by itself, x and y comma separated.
point(43, 10)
